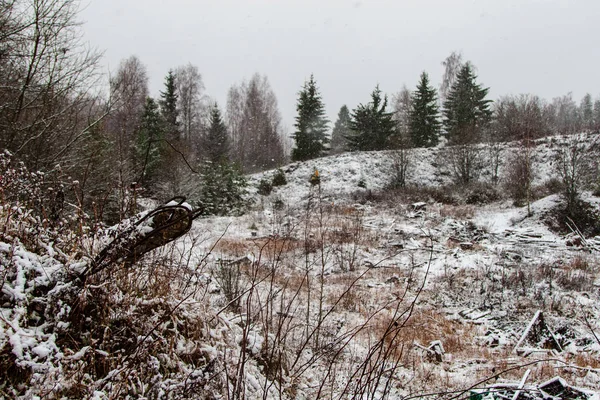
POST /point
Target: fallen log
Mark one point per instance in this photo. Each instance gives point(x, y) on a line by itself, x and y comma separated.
point(145, 233)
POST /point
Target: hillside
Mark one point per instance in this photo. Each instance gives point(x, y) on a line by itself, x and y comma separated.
point(342, 174)
point(335, 290)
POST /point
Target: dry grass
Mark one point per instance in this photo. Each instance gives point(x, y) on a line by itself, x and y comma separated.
point(458, 212)
point(587, 360)
point(349, 297)
point(422, 328)
point(577, 274)
point(582, 263)
point(237, 247)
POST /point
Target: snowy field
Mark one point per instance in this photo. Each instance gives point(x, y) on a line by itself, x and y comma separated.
point(318, 291)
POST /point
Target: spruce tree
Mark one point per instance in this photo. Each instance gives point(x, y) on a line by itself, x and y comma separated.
point(341, 130)
point(311, 124)
point(168, 107)
point(424, 114)
point(371, 125)
point(223, 188)
point(149, 141)
point(216, 140)
point(466, 110)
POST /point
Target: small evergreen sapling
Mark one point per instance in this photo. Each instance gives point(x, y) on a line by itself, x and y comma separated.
point(315, 178)
point(223, 190)
point(279, 178)
point(264, 187)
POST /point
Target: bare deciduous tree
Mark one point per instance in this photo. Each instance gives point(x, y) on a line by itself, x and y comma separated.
point(47, 82)
point(255, 125)
point(401, 141)
point(234, 117)
point(401, 104)
point(519, 117)
point(587, 112)
point(519, 175)
point(130, 89)
point(192, 101)
point(564, 113)
point(575, 169)
point(452, 64)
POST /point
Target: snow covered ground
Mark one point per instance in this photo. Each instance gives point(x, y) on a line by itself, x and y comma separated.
point(317, 291)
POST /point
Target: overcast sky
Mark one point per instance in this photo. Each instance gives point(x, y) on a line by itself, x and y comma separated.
point(544, 47)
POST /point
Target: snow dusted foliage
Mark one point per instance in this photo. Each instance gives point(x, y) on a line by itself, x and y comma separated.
point(123, 333)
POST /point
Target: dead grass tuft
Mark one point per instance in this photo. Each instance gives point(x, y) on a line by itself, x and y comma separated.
point(422, 328)
point(458, 212)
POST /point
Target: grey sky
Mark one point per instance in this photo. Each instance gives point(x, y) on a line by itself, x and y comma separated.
point(542, 47)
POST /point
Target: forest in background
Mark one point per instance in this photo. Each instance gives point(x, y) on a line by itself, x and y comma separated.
point(109, 142)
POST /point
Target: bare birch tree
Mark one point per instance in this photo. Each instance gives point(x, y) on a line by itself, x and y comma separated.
point(191, 98)
point(452, 64)
point(255, 125)
point(130, 88)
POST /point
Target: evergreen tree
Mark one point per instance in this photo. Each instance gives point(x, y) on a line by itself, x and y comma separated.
point(341, 130)
point(424, 114)
point(216, 139)
point(466, 110)
point(149, 141)
point(371, 125)
point(168, 107)
point(223, 188)
point(311, 124)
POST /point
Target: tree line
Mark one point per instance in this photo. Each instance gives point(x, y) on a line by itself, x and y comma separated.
point(459, 113)
point(111, 144)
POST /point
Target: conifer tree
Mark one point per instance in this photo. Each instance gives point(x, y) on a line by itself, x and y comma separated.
point(216, 140)
point(466, 110)
point(424, 114)
point(341, 130)
point(222, 189)
point(372, 126)
point(148, 146)
point(168, 107)
point(311, 124)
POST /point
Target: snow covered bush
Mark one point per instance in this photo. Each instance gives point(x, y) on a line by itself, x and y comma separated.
point(126, 332)
point(264, 187)
point(279, 178)
point(519, 177)
point(574, 165)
